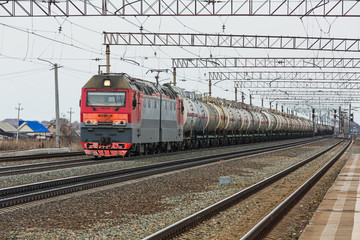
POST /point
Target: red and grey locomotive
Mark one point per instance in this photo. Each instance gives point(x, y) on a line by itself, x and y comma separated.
point(119, 114)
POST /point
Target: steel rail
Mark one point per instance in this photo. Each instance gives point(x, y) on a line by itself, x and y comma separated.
point(190, 221)
point(274, 215)
point(48, 166)
point(29, 192)
point(41, 167)
point(40, 156)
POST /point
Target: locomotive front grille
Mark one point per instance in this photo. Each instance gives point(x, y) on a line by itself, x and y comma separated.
point(105, 141)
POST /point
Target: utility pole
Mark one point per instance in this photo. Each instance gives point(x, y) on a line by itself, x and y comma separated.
point(107, 53)
point(55, 67)
point(313, 121)
point(334, 122)
point(340, 119)
point(174, 76)
point(209, 87)
point(19, 108)
point(57, 105)
point(70, 112)
point(349, 119)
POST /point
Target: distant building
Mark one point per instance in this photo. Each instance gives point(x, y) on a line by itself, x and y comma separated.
point(52, 128)
point(33, 129)
point(65, 128)
point(7, 130)
point(12, 121)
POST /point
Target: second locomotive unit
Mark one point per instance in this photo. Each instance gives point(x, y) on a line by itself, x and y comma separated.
point(121, 115)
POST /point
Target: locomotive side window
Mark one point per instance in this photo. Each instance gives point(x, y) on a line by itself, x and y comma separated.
point(105, 99)
point(155, 104)
point(149, 102)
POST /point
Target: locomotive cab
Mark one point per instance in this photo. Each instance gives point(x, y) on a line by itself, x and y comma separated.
point(107, 104)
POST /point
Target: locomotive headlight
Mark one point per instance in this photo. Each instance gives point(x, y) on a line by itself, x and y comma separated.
point(91, 122)
point(107, 83)
point(119, 122)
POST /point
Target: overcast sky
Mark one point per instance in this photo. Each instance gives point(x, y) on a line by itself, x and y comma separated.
point(75, 42)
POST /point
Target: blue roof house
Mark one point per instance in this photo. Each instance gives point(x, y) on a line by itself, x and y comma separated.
point(33, 128)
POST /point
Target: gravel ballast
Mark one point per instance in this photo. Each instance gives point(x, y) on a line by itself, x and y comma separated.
point(133, 211)
point(14, 180)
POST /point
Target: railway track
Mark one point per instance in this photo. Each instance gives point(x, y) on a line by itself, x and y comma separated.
point(48, 166)
point(275, 215)
point(25, 193)
point(40, 167)
point(40, 156)
point(189, 222)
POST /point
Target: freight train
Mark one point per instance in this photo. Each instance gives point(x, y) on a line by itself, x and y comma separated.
point(121, 116)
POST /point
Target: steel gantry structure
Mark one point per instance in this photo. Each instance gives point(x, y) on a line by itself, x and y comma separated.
point(305, 92)
point(246, 84)
point(257, 62)
point(231, 41)
point(21, 8)
point(274, 76)
point(306, 80)
point(344, 99)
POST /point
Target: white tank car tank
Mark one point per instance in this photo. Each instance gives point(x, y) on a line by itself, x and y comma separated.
point(256, 121)
point(229, 119)
point(237, 116)
point(212, 119)
point(233, 120)
point(271, 121)
point(246, 120)
point(202, 117)
point(279, 122)
point(297, 124)
point(190, 115)
point(221, 123)
point(291, 124)
point(263, 122)
point(284, 123)
point(310, 125)
point(300, 124)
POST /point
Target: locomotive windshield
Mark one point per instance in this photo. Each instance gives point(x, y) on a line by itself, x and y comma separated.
point(105, 99)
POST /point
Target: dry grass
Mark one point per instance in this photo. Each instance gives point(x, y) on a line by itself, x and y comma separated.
point(7, 145)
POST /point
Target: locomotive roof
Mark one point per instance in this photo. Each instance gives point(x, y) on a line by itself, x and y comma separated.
point(118, 81)
point(123, 81)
